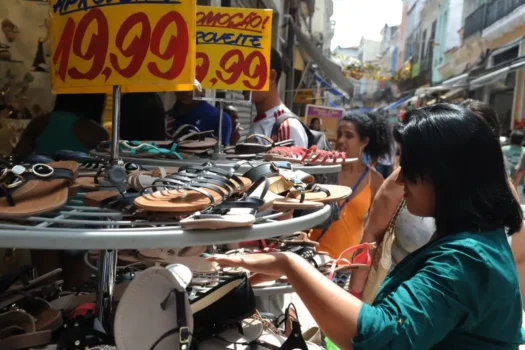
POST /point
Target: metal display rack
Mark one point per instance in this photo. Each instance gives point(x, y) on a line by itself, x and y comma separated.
point(87, 228)
point(76, 226)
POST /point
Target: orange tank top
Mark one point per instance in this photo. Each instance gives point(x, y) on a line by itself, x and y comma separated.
point(348, 230)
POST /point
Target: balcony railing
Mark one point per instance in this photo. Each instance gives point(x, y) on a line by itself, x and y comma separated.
point(488, 14)
point(474, 22)
point(499, 9)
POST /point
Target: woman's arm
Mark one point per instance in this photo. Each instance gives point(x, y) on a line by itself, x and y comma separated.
point(400, 321)
point(383, 207)
point(518, 249)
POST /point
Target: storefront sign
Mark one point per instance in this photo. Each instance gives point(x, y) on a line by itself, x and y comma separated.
point(313, 111)
point(304, 96)
point(328, 118)
point(142, 45)
point(233, 48)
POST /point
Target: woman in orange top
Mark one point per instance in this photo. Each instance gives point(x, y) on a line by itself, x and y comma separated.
point(360, 135)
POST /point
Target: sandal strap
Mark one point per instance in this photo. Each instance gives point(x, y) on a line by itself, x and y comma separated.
point(180, 187)
point(218, 188)
point(211, 176)
point(260, 137)
point(212, 168)
point(182, 128)
point(263, 170)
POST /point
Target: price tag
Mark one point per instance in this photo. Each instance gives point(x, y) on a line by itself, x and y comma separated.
point(142, 45)
point(233, 48)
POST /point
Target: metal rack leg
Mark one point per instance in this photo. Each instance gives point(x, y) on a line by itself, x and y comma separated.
point(107, 271)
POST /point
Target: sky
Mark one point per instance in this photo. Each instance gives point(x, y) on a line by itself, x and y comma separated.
point(357, 18)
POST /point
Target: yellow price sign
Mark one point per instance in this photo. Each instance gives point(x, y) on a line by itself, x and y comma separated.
point(142, 45)
point(233, 48)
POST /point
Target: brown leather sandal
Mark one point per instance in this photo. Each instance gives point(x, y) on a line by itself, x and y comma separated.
point(36, 189)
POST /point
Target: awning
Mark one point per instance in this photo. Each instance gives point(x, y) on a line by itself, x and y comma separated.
point(329, 68)
point(452, 93)
point(497, 75)
point(489, 78)
point(397, 104)
point(518, 64)
point(327, 85)
point(429, 90)
point(413, 99)
point(460, 80)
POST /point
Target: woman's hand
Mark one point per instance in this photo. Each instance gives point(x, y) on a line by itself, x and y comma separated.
point(267, 266)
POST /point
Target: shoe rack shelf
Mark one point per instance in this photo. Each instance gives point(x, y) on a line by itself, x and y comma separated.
point(223, 163)
point(76, 226)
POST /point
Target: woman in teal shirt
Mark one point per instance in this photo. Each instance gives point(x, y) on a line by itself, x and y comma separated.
point(461, 290)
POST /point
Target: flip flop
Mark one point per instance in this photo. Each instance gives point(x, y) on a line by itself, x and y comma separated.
point(254, 148)
point(35, 190)
point(190, 139)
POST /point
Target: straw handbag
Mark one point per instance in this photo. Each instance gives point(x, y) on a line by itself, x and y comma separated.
point(382, 262)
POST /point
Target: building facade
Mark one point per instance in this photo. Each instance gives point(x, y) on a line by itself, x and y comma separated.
point(449, 22)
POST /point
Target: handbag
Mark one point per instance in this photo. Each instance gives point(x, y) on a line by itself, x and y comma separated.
point(382, 261)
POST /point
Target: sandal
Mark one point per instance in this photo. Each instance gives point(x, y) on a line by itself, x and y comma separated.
point(27, 191)
point(230, 214)
point(18, 331)
point(85, 161)
point(142, 149)
point(295, 194)
point(340, 268)
point(194, 141)
point(310, 156)
point(256, 148)
point(46, 317)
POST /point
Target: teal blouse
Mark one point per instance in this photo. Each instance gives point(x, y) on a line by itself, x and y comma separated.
point(459, 292)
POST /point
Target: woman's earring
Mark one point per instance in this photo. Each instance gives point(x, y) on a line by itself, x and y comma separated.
point(361, 151)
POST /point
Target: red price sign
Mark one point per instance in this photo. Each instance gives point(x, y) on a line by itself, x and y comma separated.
point(233, 48)
point(141, 48)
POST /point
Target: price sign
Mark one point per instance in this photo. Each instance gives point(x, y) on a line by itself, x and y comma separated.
point(142, 45)
point(233, 48)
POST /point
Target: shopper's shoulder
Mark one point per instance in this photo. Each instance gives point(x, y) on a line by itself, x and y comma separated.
point(481, 247)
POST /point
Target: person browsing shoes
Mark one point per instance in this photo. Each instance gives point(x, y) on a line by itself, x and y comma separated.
point(269, 107)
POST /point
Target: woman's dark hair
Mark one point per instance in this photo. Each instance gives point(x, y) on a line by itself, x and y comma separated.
point(484, 111)
point(450, 146)
point(375, 127)
point(142, 117)
point(90, 106)
point(516, 138)
point(313, 121)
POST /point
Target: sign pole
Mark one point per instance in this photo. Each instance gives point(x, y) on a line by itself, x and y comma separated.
point(115, 130)
point(107, 263)
point(218, 147)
